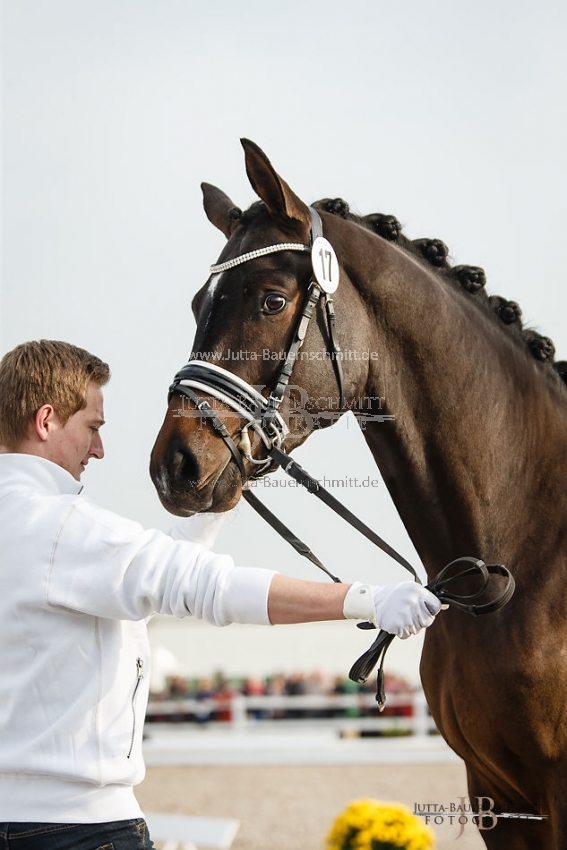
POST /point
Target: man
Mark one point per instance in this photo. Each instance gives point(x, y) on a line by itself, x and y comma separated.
point(77, 584)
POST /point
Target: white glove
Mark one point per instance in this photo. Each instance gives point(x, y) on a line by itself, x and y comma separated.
point(402, 609)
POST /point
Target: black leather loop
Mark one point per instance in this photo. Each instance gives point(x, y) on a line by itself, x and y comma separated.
point(474, 567)
point(464, 602)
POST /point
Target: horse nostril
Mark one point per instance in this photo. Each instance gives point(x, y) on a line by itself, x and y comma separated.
point(184, 467)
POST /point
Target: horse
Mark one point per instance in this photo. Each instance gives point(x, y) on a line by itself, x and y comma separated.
point(471, 444)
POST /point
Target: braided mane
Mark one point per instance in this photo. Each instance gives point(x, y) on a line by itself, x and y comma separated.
point(434, 252)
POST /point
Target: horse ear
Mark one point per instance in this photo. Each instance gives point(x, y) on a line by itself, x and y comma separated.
point(220, 210)
point(281, 201)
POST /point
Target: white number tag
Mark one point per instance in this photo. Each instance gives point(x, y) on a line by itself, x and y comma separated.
point(325, 264)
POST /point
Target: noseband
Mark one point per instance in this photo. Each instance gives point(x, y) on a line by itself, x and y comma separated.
point(263, 416)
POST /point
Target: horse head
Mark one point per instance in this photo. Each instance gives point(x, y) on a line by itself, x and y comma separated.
point(248, 314)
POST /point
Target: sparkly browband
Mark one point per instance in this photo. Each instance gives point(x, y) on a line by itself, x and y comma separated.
point(260, 252)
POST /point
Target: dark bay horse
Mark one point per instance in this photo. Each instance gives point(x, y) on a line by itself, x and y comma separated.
point(473, 451)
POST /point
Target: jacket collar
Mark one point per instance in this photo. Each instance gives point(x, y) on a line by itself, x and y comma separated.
point(30, 472)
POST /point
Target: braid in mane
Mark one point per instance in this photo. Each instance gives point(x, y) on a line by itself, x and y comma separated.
point(508, 311)
point(386, 226)
point(472, 279)
point(540, 346)
point(432, 250)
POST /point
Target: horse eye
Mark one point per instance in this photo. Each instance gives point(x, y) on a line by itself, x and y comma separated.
point(273, 303)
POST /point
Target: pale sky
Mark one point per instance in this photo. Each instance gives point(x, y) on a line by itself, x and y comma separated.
point(450, 115)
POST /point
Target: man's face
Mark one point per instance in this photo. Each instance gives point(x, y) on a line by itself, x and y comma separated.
point(72, 445)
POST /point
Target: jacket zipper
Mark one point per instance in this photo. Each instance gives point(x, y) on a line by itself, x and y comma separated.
point(139, 677)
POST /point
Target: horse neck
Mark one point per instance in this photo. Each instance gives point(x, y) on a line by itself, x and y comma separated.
point(478, 427)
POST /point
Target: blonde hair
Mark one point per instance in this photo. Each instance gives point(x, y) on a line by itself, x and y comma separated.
point(44, 372)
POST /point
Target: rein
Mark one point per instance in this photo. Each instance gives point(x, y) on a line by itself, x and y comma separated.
point(262, 415)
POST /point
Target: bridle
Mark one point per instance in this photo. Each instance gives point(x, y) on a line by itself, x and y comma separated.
point(262, 415)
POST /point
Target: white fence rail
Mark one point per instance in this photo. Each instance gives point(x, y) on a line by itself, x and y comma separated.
point(351, 714)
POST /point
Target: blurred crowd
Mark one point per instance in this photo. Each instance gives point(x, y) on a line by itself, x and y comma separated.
point(215, 695)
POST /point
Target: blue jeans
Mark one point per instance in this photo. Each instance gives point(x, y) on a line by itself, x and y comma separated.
point(116, 835)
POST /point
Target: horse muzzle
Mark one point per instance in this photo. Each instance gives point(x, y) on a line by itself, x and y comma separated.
point(191, 475)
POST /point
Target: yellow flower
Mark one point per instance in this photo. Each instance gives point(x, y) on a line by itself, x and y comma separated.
point(375, 825)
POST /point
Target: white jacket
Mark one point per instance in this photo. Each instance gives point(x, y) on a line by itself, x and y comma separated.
point(77, 584)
